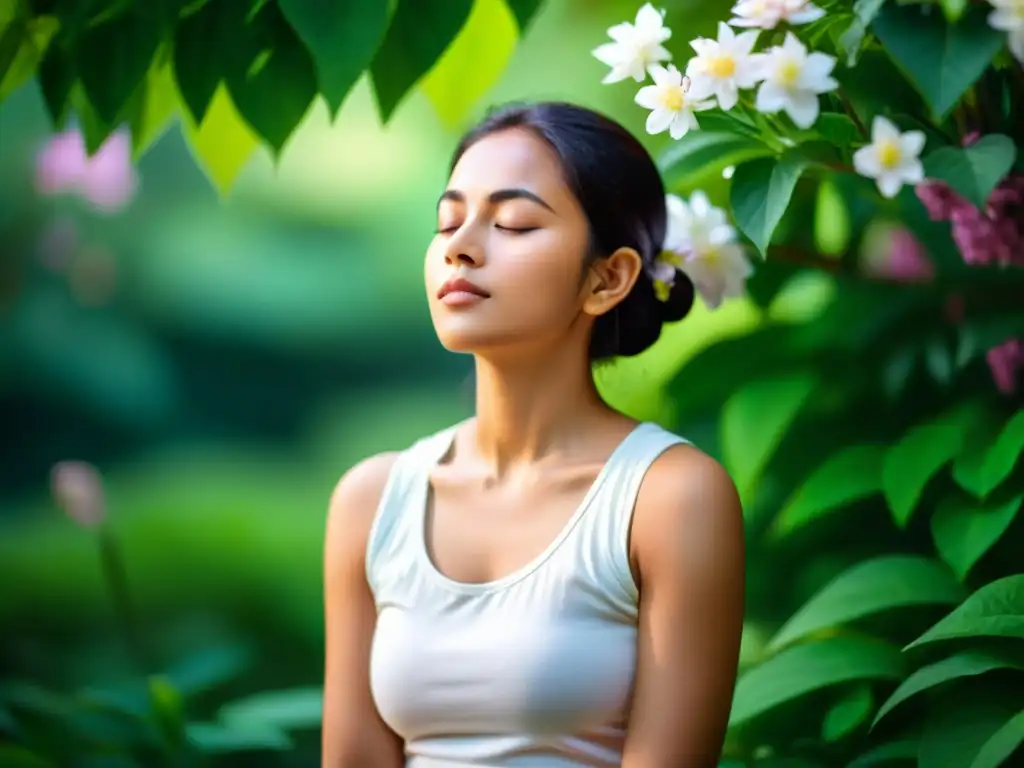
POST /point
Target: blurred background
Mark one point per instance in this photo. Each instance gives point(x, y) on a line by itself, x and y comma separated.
point(223, 362)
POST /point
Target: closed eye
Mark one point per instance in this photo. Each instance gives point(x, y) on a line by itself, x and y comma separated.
point(516, 230)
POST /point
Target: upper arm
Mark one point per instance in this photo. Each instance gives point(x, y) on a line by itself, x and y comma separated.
point(688, 542)
point(353, 735)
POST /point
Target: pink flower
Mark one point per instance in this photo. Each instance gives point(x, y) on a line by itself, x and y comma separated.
point(906, 260)
point(78, 490)
point(107, 180)
point(1006, 362)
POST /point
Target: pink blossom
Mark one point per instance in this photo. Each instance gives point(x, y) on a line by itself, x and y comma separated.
point(107, 180)
point(906, 261)
point(1006, 362)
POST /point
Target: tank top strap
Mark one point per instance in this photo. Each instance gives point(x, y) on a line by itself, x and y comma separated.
point(607, 524)
point(391, 530)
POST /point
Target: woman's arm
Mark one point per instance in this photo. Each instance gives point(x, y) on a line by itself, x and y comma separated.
point(354, 736)
point(688, 547)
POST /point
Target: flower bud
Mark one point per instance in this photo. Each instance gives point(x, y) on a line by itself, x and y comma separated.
point(78, 490)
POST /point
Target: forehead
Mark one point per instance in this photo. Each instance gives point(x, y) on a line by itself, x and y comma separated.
point(511, 158)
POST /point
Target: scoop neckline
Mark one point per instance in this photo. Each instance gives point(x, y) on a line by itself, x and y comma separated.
point(495, 585)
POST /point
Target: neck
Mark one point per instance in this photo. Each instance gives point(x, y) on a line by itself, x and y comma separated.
point(526, 409)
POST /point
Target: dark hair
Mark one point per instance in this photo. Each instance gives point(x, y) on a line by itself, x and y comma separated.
point(620, 190)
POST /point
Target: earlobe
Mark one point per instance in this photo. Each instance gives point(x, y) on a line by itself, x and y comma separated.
point(611, 280)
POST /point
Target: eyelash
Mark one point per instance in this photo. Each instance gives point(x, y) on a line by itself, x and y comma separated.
point(510, 230)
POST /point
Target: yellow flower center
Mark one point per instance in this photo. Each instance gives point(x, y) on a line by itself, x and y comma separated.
point(711, 256)
point(789, 73)
point(889, 154)
point(672, 99)
point(721, 66)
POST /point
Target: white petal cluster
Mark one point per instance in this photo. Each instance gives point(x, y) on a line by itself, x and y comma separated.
point(892, 158)
point(1008, 17)
point(792, 80)
point(723, 66)
point(768, 14)
point(671, 104)
point(701, 243)
point(636, 46)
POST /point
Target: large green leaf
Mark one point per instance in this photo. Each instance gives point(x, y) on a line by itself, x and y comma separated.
point(870, 587)
point(156, 104)
point(473, 62)
point(56, 79)
point(291, 709)
point(912, 462)
point(754, 421)
point(973, 171)
point(896, 752)
point(112, 59)
point(848, 714)
point(22, 45)
point(964, 529)
point(966, 664)
point(851, 474)
point(222, 143)
point(214, 738)
point(524, 11)
point(417, 36)
point(942, 59)
point(201, 42)
point(1002, 744)
point(342, 38)
point(990, 459)
point(995, 610)
point(274, 91)
point(700, 152)
point(760, 193)
point(809, 667)
point(954, 734)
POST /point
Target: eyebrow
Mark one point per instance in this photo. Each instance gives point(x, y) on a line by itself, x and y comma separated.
point(498, 196)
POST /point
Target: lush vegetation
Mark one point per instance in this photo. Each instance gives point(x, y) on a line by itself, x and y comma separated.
point(875, 433)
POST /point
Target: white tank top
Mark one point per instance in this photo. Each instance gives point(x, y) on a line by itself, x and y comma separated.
point(534, 670)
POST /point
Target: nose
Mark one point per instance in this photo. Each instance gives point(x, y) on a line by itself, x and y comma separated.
point(462, 249)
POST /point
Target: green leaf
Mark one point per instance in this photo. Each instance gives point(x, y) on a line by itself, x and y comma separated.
point(524, 11)
point(1002, 744)
point(966, 664)
point(473, 62)
point(417, 36)
point(223, 143)
point(869, 588)
point(953, 9)
point(274, 92)
point(198, 55)
point(853, 473)
point(848, 714)
point(973, 171)
point(342, 38)
point(56, 79)
point(112, 59)
point(294, 708)
point(850, 42)
point(965, 529)
point(896, 751)
point(912, 462)
point(995, 610)
point(942, 59)
point(810, 667)
point(700, 152)
point(754, 420)
point(157, 104)
point(836, 128)
point(13, 756)
point(760, 193)
point(953, 735)
point(985, 464)
point(31, 39)
point(214, 738)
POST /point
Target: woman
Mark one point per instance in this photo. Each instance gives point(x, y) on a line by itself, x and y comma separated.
point(549, 583)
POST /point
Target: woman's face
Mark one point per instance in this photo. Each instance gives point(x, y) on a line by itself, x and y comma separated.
point(509, 226)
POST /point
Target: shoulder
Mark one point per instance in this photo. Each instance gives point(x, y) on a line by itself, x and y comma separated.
point(687, 504)
point(354, 501)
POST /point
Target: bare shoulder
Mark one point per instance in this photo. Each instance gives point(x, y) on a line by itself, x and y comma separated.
point(687, 502)
point(354, 502)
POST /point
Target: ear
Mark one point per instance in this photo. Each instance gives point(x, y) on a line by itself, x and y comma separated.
point(610, 280)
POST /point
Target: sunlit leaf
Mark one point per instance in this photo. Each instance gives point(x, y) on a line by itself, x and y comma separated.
point(473, 62)
point(22, 45)
point(524, 11)
point(158, 104)
point(223, 143)
point(995, 610)
point(871, 587)
point(760, 194)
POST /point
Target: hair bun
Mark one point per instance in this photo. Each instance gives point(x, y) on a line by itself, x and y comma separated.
point(680, 299)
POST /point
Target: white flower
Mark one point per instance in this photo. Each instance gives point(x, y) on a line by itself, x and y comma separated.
point(767, 14)
point(793, 78)
point(705, 245)
point(636, 46)
point(891, 159)
point(670, 103)
point(723, 66)
point(1008, 17)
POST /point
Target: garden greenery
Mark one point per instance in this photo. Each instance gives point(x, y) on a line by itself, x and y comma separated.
point(872, 147)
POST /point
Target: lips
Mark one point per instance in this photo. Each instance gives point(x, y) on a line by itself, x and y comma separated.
point(461, 285)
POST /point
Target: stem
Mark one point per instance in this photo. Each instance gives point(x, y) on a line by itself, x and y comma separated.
point(852, 113)
point(116, 575)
